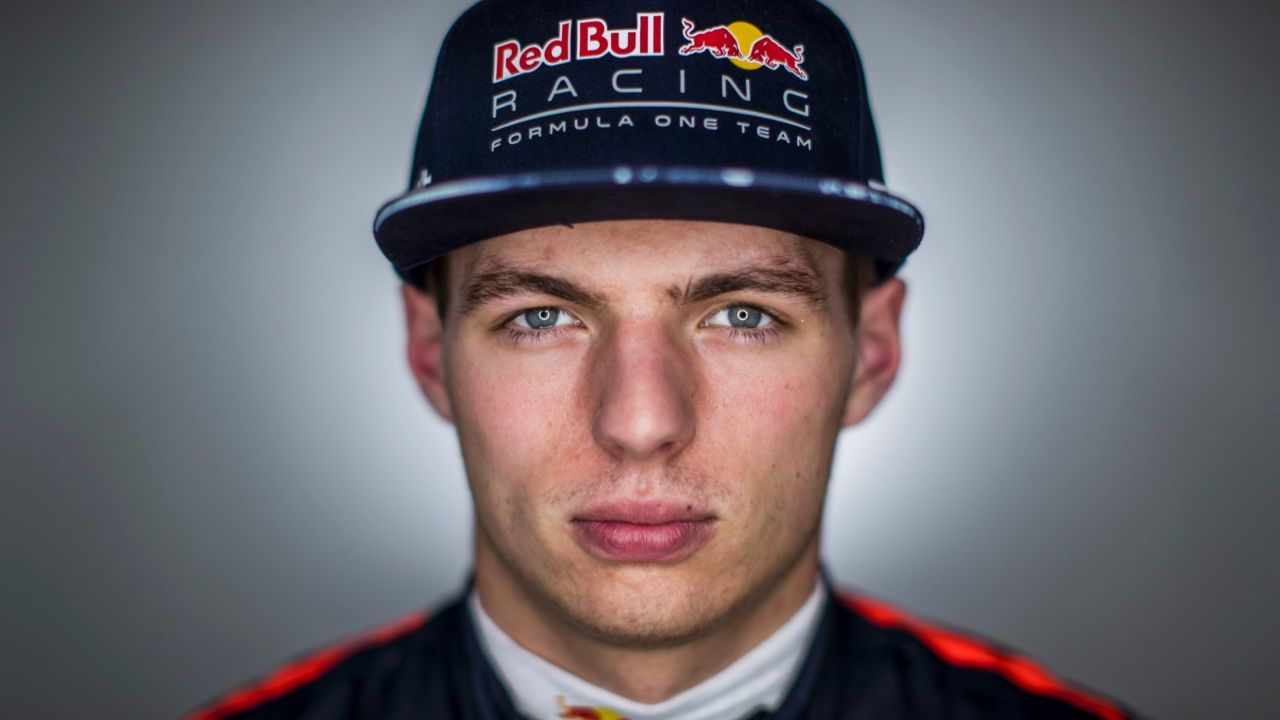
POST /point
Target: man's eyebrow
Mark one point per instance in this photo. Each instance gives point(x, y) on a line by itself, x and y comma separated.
point(490, 285)
point(803, 284)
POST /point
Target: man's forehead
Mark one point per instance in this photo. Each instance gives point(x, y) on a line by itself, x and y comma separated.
point(690, 247)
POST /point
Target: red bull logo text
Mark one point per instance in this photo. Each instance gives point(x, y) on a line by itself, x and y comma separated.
point(681, 96)
point(744, 45)
point(585, 39)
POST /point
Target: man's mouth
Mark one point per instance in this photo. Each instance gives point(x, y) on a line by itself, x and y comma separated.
point(643, 531)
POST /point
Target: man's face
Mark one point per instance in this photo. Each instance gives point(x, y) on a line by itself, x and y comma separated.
point(647, 411)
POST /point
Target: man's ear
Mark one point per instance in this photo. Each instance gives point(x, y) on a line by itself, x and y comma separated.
point(425, 347)
point(879, 349)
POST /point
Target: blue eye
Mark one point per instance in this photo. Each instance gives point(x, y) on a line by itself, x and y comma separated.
point(745, 317)
point(742, 317)
point(543, 318)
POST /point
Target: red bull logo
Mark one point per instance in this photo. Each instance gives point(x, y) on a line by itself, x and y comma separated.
point(745, 45)
point(719, 41)
point(586, 39)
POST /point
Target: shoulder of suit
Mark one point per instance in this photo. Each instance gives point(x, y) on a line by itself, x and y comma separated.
point(968, 670)
point(332, 676)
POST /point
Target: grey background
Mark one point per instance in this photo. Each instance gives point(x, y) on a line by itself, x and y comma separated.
point(213, 456)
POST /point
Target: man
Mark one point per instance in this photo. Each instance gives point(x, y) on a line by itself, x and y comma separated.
point(649, 275)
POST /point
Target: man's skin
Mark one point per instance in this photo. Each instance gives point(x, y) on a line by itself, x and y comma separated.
point(646, 393)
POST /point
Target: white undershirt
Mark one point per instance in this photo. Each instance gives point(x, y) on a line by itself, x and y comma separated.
point(757, 680)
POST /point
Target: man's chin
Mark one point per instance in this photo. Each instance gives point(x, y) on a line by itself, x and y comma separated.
point(648, 605)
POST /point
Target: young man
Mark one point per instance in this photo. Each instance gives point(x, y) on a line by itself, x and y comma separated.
point(649, 276)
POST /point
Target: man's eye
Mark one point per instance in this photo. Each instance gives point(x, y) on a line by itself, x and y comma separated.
point(543, 318)
point(742, 317)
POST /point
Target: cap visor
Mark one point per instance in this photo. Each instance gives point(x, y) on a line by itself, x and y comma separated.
point(431, 221)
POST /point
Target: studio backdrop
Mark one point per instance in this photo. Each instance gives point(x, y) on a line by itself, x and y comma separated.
point(212, 454)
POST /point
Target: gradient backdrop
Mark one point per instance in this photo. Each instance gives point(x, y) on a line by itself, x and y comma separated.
point(213, 456)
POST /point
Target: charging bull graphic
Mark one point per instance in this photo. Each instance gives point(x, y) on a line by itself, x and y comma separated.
point(770, 53)
point(719, 41)
point(744, 45)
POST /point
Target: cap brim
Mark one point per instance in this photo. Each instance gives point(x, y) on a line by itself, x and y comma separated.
point(429, 222)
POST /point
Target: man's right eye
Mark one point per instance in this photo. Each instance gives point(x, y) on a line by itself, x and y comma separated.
point(543, 318)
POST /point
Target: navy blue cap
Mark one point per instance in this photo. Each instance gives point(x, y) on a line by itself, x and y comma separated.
point(568, 111)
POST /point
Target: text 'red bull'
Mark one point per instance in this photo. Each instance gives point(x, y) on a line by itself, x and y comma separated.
point(593, 39)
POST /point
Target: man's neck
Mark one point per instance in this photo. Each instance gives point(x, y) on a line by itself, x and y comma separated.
point(648, 675)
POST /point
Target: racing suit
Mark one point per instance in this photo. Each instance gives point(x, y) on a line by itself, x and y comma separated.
point(867, 661)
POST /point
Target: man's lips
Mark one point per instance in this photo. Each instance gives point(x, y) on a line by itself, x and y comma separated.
point(643, 532)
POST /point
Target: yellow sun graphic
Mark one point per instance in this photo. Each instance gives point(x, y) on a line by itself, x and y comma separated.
point(747, 35)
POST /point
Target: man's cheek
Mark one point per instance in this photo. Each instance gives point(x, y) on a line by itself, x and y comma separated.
point(772, 406)
point(776, 437)
point(521, 422)
point(515, 434)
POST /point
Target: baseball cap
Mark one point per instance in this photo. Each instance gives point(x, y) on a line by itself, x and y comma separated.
point(569, 111)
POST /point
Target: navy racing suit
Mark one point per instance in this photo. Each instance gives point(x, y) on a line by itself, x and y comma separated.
point(867, 661)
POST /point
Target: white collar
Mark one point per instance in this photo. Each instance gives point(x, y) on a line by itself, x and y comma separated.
point(757, 680)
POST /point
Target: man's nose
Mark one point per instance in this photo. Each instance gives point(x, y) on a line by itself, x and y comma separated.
point(645, 384)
